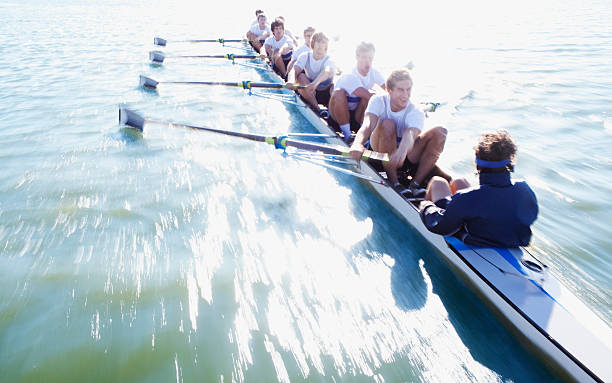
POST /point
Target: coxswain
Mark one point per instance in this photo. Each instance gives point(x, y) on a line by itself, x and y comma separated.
point(497, 213)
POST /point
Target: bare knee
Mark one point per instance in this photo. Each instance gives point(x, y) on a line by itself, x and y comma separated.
point(437, 189)
point(439, 135)
point(459, 184)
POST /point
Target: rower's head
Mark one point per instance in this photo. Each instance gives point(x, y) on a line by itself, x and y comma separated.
point(495, 152)
point(319, 43)
point(278, 29)
point(261, 20)
point(399, 86)
point(308, 32)
point(364, 55)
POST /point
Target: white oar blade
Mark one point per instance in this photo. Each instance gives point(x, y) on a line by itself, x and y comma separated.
point(147, 82)
point(131, 119)
point(157, 57)
point(159, 41)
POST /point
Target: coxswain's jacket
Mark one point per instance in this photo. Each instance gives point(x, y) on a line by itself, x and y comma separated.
point(498, 213)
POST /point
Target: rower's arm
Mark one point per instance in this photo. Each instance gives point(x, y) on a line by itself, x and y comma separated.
point(405, 146)
point(441, 221)
point(292, 77)
point(326, 73)
point(363, 135)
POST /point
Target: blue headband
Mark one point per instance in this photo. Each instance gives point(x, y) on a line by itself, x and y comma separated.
point(492, 164)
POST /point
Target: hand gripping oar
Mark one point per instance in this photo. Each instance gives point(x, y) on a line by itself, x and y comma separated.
point(134, 120)
point(158, 57)
point(162, 42)
point(149, 83)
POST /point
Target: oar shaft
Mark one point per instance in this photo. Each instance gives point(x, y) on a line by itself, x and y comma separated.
point(134, 120)
point(148, 82)
point(162, 42)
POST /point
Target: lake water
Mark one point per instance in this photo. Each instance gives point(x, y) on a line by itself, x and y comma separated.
point(184, 256)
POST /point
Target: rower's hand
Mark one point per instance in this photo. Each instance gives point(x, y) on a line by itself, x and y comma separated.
point(356, 151)
point(311, 88)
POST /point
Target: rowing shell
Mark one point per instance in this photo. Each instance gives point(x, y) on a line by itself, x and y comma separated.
point(518, 286)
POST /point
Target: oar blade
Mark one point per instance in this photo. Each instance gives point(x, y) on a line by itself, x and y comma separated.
point(131, 119)
point(157, 57)
point(147, 82)
point(159, 41)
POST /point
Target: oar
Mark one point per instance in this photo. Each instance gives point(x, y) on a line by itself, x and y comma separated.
point(158, 56)
point(134, 120)
point(162, 42)
point(149, 83)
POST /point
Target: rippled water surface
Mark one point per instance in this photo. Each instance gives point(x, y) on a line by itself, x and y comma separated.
point(177, 255)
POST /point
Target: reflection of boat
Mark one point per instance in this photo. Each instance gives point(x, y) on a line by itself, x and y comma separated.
point(539, 308)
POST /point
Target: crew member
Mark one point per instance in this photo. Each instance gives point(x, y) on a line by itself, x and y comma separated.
point(498, 213)
point(393, 125)
point(259, 32)
point(306, 47)
point(279, 48)
point(353, 91)
point(315, 70)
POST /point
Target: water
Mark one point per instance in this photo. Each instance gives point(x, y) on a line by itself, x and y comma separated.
point(184, 256)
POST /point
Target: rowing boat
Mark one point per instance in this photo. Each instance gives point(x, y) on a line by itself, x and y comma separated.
point(567, 335)
point(517, 284)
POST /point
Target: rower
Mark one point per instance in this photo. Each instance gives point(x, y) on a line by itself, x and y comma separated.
point(259, 32)
point(316, 71)
point(279, 48)
point(353, 90)
point(498, 213)
point(306, 47)
point(257, 13)
point(287, 31)
point(393, 125)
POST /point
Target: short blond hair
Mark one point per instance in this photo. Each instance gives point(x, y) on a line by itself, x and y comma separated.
point(364, 47)
point(319, 37)
point(397, 76)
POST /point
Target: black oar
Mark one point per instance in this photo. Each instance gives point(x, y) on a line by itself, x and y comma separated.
point(162, 42)
point(134, 120)
point(158, 57)
point(149, 83)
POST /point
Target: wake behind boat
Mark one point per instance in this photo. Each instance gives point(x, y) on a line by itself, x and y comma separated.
point(568, 335)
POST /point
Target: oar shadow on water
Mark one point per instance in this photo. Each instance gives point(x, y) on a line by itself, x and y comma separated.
point(415, 264)
point(130, 135)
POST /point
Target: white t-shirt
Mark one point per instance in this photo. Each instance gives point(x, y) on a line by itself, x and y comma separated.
point(380, 106)
point(271, 41)
point(258, 32)
point(349, 82)
point(299, 51)
point(313, 67)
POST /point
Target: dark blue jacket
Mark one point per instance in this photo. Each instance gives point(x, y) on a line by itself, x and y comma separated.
point(498, 213)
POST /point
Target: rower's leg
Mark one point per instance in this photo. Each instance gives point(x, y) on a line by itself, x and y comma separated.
point(308, 96)
point(360, 110)
point(384, 140)
point(338, 107)
point(437, 189)
point(459, 184)
point(426, 150)
point(256, 45)
point(280, 65)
